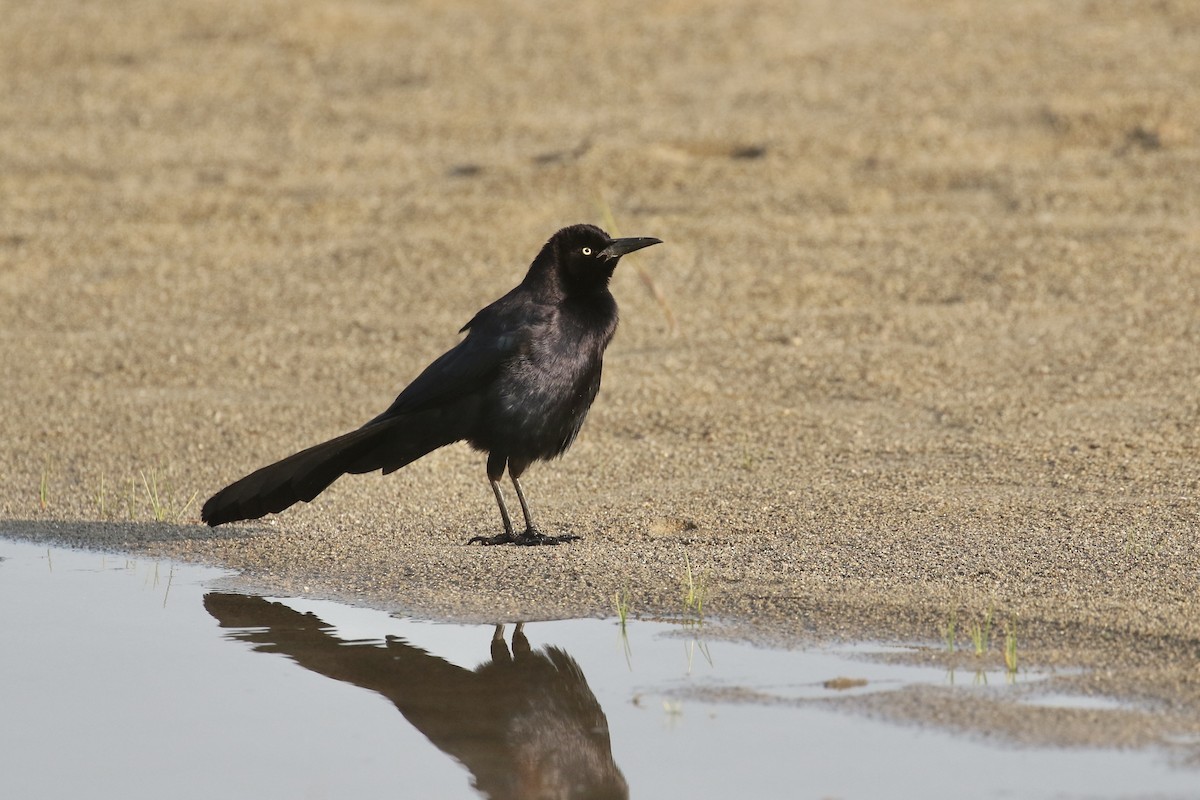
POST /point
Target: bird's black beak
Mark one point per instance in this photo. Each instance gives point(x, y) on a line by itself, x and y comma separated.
point(620, 247)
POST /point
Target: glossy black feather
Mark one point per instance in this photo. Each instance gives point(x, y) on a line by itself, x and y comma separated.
point(517, 387)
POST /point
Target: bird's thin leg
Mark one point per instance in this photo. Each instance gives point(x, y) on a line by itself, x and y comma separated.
point(508, 526)
point(495, 468)
point(532, 534)
point(520, 645)
point(499, 647)
point(529, 526)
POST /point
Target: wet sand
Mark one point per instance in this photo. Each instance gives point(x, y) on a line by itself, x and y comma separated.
point(925, 339)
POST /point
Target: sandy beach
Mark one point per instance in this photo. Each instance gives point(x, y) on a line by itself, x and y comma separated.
point(922, 341)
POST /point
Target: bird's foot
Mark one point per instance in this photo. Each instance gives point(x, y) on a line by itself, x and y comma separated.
point(531, 537)
point(500, 538)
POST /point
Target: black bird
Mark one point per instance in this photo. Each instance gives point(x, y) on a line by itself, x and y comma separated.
point(517, 387)
point(525, 724)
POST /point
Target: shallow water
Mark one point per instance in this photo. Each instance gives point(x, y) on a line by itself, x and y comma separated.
point(128, 678)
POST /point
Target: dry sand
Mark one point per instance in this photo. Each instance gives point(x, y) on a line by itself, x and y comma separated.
point(933, 271)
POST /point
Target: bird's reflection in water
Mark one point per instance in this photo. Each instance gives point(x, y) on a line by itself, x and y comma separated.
point(525, 724)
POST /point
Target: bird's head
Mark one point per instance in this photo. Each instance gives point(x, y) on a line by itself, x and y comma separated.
point(586, 256)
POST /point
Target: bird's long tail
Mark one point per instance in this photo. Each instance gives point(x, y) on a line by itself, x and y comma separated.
point(386, 445)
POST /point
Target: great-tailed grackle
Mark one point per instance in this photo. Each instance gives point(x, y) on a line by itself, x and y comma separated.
point(517, 387)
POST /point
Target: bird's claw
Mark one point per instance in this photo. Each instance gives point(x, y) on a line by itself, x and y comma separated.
point(530, 538)
point(500, 538)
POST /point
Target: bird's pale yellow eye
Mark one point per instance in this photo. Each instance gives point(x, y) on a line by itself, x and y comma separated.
point(587, 251)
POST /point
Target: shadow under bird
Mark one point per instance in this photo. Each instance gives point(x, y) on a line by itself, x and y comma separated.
point(517, 387)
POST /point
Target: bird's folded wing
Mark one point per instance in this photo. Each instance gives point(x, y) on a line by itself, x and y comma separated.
point(493, 338)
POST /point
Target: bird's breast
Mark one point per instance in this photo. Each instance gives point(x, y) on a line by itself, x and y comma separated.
point(544, 392)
